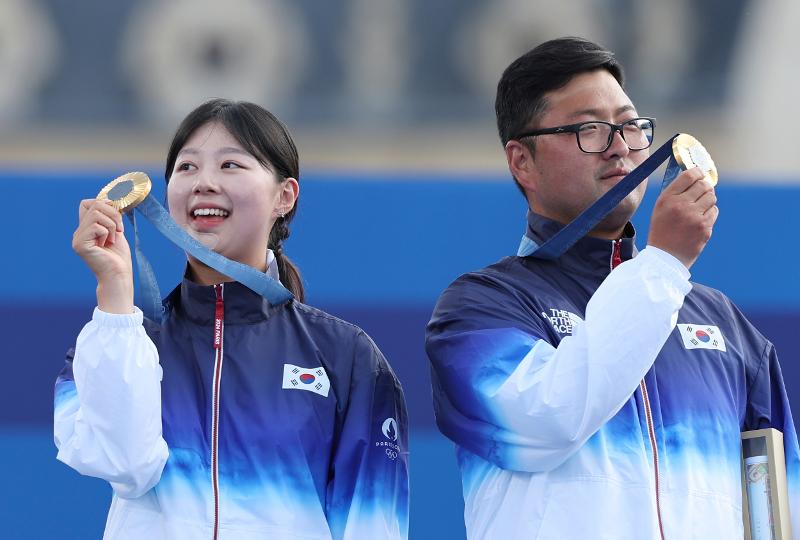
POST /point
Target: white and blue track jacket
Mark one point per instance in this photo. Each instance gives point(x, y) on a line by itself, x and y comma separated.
point(587, 403)
point(236, 420)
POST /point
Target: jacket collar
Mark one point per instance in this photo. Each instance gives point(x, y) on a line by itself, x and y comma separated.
point(588, 255)
point(197, 303)
point(242, 305)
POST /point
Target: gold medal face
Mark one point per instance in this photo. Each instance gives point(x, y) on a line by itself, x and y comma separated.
point(689, 152)
point(126, 191)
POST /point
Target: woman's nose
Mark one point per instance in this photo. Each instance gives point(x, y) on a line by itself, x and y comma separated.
point(204, 182)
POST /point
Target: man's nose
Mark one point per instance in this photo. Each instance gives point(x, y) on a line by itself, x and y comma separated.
point(618, 147)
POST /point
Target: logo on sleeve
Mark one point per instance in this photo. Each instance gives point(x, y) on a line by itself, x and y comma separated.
point(562, 320)
point(389, 430)
point(702, 336)
point(299, 378)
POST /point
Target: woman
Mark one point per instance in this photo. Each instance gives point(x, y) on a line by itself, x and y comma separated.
point(234, 418)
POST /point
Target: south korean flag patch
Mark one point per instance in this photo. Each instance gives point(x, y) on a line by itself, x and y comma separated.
point(310, 379)
point(701, 336)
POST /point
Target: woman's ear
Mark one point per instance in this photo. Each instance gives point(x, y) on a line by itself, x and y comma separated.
point(289, 191)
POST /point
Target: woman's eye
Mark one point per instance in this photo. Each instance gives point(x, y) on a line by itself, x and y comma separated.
point(184, 167)
point(230, 165)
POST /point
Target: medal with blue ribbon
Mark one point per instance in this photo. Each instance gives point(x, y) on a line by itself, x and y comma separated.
point(683, 151)
point(131, 192)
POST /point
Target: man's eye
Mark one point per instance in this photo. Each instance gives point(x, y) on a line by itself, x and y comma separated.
point(590, 127)
point(639, 124)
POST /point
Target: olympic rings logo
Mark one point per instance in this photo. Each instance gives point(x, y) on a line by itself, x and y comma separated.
point(391, 453)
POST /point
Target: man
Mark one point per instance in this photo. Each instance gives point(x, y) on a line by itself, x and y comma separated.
point(600, 394)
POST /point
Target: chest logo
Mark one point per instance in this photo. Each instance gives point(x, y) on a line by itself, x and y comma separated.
point(562, 320)
point(701, 336)
point(309, 379)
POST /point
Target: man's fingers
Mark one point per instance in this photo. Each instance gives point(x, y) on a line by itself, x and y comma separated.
point(707, 200)
point(684, 181)
point(696, 191)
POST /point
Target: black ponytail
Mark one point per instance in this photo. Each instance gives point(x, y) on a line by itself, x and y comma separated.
point(290, 275)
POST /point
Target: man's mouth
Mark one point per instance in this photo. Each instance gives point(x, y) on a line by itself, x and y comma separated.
point(614, 173)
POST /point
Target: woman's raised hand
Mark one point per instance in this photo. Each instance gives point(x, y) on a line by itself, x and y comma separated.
point(100, 242)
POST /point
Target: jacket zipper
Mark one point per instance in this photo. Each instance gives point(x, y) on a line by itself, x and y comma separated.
point(651, 432)
point(616, 260)
point(219, 328)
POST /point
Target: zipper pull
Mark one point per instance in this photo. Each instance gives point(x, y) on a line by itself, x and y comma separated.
point(616, 256)
point(219, 315)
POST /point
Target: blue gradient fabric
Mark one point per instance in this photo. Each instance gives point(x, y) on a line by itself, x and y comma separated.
point(565, 385)
point(312, 462)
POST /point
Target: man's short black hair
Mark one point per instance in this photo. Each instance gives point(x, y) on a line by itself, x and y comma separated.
point(551, 65)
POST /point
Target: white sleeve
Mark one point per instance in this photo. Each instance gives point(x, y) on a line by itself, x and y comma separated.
point(107, 420)
point(558, 397)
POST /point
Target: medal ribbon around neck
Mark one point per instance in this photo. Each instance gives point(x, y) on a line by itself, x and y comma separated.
point(132, 191)
point(683, 151)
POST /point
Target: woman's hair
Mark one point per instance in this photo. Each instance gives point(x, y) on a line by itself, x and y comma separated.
point(265, 137)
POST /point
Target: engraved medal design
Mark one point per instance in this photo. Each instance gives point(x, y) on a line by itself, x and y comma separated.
point(689, 152)
point(126, 191)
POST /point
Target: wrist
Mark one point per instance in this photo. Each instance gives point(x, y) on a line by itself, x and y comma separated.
point(687, 263)
point(670, 260)
point(115, 295)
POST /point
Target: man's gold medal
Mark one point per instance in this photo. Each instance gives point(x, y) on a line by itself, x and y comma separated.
point(689, 153)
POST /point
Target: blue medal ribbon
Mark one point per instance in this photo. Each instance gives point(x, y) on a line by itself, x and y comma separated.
point(271, 289)
point(560, 242)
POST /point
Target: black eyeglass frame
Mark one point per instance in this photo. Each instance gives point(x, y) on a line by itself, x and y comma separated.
point(575, 128)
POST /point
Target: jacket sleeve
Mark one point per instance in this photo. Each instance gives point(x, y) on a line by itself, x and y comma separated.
point(504, 392)
point(368, 488)
point(768, 407)
point(107, 420)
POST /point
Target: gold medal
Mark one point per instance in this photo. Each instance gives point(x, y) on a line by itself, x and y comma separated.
point(689, 153)
point(126, 191)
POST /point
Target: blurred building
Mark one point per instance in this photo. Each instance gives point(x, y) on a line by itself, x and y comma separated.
point(379, 83)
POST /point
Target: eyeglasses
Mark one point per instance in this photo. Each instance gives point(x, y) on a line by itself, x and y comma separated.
point(595, 137)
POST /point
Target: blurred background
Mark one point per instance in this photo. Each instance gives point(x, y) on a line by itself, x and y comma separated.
point(404, 184)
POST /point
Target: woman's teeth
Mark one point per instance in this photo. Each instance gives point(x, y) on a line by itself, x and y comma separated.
point(210, 212)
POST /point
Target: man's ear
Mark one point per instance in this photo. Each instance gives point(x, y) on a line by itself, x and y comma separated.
point(521, 164)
